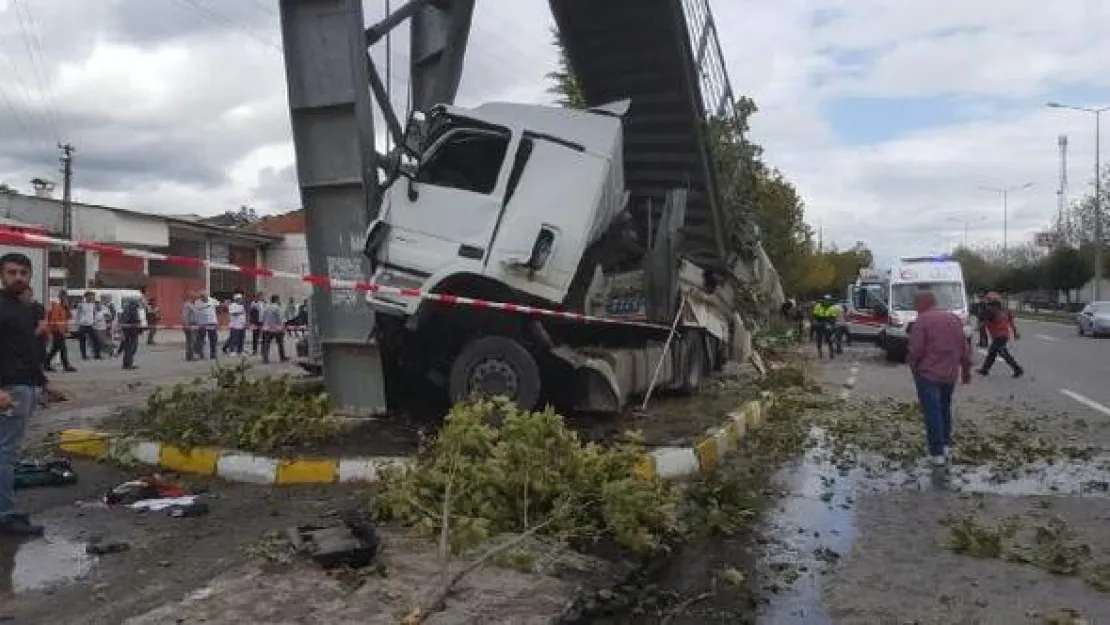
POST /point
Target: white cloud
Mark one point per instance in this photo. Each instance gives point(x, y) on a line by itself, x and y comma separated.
point(178, 109)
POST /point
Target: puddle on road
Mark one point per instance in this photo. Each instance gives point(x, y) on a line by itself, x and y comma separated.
point(814, 526)
point(42, 563)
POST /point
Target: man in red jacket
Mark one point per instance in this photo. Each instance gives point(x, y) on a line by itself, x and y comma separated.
point(939, 356)
point(1000, 327)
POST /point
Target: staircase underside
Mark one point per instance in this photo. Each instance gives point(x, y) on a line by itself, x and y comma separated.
point(641, 50)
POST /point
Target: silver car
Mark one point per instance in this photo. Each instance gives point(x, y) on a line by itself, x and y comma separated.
point(1094, 319)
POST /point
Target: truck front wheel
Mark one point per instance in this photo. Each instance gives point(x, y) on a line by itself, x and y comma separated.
point(496, 366)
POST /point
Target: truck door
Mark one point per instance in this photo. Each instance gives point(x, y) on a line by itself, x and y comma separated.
point(446, 214)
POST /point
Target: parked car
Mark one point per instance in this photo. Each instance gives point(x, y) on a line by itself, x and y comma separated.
point(1094, 319)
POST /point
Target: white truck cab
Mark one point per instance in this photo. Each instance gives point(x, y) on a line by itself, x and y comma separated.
point(942, 275)
point(509, 193)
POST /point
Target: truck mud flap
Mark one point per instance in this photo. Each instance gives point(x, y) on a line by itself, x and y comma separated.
point(596, 388)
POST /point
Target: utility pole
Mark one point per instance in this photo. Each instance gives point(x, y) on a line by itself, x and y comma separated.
point(67, 189)
point(1097, 112)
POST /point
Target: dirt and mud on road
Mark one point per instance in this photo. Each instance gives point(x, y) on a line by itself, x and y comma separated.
point(1012, 532)
point(232, 564)
point(832, 515)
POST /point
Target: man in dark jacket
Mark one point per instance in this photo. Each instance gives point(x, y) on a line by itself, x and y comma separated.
point(22, 381)
point(130, 323)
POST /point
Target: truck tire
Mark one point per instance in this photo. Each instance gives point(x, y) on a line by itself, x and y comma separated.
point(496, 365)
point(694, 363)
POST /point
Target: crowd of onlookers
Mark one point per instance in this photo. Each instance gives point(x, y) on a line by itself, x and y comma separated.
point(267, 323)
point(106, 330)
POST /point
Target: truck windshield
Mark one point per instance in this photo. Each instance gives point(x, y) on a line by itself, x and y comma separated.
point(950, 295)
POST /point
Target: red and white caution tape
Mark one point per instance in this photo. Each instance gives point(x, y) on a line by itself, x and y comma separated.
point(10, 236)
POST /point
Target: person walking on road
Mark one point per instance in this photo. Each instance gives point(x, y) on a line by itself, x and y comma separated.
point(237, 326)
point(254, 318)
point(1000, 327)
point(130, 329)
point(189, 325)
point(22, 381)
point(825, 314)
point(208, 323)
point(86, 334)
point(57, 320)
point(273, 329)
point(939, 355)
point(153, 316)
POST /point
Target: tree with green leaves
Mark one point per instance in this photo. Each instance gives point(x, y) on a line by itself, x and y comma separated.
point(1067, 269)
point(7, 189)
point(564, 84)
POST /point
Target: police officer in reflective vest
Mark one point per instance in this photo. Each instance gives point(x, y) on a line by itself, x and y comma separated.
point(825, 315)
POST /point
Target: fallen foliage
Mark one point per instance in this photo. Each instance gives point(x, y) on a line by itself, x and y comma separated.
point(1050, 545)
point(232, 409)
point(507, 471)
point(893, 432)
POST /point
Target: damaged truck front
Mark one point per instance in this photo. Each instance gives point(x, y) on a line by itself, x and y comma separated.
point(526, 205)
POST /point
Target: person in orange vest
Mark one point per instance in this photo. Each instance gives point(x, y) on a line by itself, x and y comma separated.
point(1000, 327)
point(57, 323)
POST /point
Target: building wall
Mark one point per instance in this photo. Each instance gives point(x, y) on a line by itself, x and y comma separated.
point(107, 226)
point(291, 255)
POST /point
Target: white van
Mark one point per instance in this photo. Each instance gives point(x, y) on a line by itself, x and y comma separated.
point(940, 274)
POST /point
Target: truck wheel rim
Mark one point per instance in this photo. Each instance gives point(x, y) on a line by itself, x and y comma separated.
point(493, 377)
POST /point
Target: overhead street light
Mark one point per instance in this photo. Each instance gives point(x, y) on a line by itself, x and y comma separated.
point(1005, 192)
point(1097, 112)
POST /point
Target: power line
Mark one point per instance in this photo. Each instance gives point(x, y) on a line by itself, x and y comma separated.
point(34, 53)
point(28, 95)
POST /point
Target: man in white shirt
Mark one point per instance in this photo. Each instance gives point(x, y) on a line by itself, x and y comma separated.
point(237, 323)
point(207, 324)
point(86, 333)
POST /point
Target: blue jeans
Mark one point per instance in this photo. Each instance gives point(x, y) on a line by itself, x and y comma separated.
point(12, 425)
point(936, 403)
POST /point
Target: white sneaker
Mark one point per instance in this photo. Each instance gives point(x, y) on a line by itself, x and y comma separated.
point(939, 460)
point(947, 452)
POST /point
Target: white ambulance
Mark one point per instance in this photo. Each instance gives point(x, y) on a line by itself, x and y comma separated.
point(866, 297)
point(942, 275)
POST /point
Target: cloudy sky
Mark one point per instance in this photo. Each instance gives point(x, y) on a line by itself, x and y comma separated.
point(889, 115)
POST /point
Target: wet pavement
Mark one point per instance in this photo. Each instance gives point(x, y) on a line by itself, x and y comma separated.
point(865, 543)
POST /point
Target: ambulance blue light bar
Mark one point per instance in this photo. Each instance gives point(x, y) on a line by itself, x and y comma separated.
point(940, 258)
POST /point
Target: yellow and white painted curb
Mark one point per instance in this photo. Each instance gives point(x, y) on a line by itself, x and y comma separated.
point(235, 466)
point(708, 450)
point(238, 466)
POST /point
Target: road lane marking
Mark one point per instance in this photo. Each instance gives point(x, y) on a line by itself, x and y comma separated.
point(1046, 337)
point(1090, 403)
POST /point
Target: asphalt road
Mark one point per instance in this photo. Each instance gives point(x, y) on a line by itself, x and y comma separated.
point(888, 529)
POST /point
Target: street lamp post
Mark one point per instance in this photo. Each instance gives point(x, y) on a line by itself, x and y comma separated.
point(1005, 192)
point(1097, 112)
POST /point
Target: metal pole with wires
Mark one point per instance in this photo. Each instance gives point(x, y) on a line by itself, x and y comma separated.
point(1098, 236)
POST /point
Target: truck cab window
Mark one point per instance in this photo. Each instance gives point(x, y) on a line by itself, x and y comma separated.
point(469, 160)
